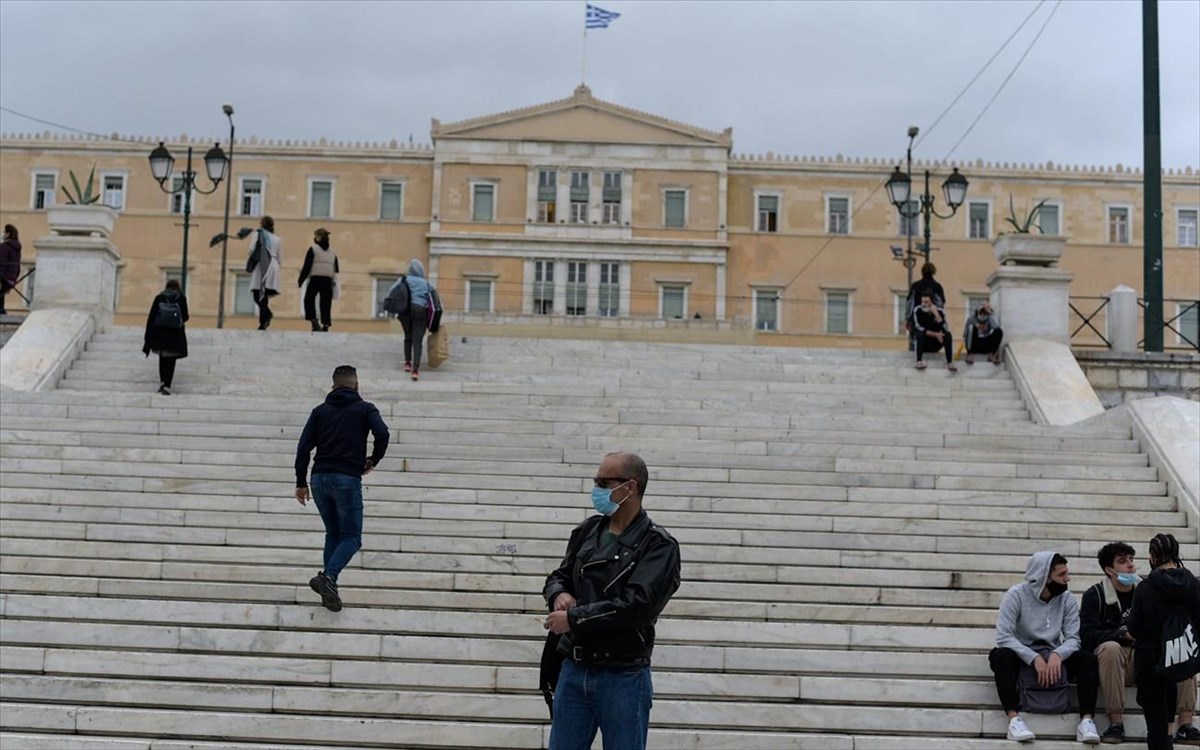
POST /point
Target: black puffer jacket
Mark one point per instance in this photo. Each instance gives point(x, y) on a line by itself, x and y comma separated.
point(167, 342)
point(1162, 591)
point(619, 590)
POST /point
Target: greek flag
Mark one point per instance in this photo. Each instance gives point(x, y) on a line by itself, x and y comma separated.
point(599, 18)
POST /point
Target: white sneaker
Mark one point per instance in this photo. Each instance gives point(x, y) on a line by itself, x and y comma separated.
point(1018, 732)
point(1086, 732)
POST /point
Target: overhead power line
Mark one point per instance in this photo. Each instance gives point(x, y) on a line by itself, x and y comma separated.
point(67, 127)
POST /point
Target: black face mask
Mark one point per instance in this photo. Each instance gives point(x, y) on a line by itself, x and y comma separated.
point(1056, 588)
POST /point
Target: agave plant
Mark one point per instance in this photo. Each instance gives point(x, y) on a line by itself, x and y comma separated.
point(1024, 226)
point(83, 196)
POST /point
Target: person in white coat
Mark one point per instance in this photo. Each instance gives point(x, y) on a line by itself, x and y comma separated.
point(265, 276)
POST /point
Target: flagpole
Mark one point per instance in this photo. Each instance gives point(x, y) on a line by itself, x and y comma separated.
point(583, 60)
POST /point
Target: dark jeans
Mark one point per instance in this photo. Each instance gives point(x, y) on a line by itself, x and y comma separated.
point(1082, 669)
point(166, 369)
point(263, 300)
point(615, 700)
point(338, 498)
point(5, 285)
point(989, 345)
point(414, 325)
point(1157, 699)
point(318, 286)
point(927, 343)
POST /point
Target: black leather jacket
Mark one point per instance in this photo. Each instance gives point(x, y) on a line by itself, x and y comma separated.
point(619, 590)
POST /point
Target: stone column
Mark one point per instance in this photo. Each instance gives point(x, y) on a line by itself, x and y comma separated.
point(1028, 292)
point(76, 264)
point(1123, 319)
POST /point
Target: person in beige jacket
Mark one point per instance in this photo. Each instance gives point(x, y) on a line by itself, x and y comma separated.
point(320, 269)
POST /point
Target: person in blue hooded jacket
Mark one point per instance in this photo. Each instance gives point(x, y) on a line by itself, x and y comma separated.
point(416, 321)
point(1040, 612)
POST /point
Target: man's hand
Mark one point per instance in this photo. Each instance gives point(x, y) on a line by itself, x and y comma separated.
point(368, 468)
point(563, 602)
point(557, 622)
point(1048, 672)
point(302, 495)
point(937, 335)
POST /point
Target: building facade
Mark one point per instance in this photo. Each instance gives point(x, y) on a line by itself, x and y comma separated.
point(586, 215)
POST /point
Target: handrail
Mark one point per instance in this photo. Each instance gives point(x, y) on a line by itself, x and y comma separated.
point(1167, 324)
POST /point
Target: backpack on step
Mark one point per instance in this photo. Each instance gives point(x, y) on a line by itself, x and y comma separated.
point(168, 315)
point(1179, 658)
point(398, 298)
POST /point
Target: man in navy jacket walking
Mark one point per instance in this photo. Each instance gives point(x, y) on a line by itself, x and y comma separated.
point(338, 430)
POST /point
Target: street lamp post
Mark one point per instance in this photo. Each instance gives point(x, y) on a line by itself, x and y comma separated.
point(228, 110)
point(899, 187)
point(161, 163)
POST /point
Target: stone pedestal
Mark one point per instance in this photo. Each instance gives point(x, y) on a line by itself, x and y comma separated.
point(78, 273)
point(1031, 302)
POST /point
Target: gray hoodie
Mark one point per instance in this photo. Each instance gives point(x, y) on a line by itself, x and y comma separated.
point(1025, 619)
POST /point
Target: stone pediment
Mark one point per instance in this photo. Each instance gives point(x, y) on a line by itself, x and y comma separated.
point(581, 118)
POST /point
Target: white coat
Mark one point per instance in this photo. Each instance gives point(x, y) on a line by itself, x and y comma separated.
point(268, 276)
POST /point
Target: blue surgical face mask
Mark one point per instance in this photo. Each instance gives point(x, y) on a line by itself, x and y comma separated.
point(602, 501)
point(1127, 579)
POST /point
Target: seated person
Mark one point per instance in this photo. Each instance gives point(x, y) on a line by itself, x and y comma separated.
point(929, 327)
point(1103, 612)
point(1041, 611)
point(983, 335)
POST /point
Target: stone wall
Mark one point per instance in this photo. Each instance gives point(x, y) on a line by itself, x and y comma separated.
point(1118, 378)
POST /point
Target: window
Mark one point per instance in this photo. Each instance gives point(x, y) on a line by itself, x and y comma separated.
point(675, 208)
point(479, 295)
point(576, 288)
point(580, 186)
point(610, 288)
point(910, 219)
point(579, 212)
point(1048, 219)
point(899, 311)
point(177, 197)
point(391, 201)
point(381, 285)
point(243, 300)
point(320, 199)
point(1185, 227)
point(114, 191)
point(977, 220)
point(766, 309)
point(43, 190)
point(1188, 323)
point(837, 312)
point(768, 213)
point(543, 287)
point(1118, 225)
point(611, 195)
point(838, 210)
point(252, 197)
point(547, 196)
point(483, 201)
point(673, 301)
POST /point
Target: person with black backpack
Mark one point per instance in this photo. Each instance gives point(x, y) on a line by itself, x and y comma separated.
point(165, 334)
point(1163, 622)
point(414, 301)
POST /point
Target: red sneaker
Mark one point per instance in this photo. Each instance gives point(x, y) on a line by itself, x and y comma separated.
point(408, 366)
point(415, 375)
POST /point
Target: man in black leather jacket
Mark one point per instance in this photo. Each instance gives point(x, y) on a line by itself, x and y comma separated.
point(619, 571)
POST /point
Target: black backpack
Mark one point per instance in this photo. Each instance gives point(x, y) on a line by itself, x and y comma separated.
point(169, 314)
point(397, 301)
point(435, 311)
point(1179, 658)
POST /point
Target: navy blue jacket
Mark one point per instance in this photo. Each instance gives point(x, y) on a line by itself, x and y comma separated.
point(338, 430)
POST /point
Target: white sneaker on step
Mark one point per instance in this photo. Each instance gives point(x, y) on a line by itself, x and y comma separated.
point(1018, 732)
point(1086, 732)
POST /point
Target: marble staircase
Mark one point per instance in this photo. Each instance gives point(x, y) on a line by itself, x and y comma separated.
point(847, 523)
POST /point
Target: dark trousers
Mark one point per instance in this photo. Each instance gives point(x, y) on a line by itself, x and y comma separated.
point(1157, 698)
point(263, 300)
point(318, 286)
point(927, 343)
point(166, 370)
point(1082, 669)
point(5, 285)
point(414, 334)
point(988, 345)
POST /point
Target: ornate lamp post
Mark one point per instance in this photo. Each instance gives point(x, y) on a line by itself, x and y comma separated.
point(899, 187)
point(161, 162)
point(228, 110)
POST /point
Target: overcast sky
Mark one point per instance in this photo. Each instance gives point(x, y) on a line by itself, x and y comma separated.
point(813, 78)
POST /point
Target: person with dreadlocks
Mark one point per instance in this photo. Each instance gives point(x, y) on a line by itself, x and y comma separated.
point(1169, 586)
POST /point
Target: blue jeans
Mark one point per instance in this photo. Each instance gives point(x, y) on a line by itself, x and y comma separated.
point(338, 498)
point(615, 700)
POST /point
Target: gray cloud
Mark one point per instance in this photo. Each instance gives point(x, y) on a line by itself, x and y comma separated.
point(790, 77)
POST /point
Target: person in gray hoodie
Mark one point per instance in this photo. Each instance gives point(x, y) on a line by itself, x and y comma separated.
point(416, 321)
point(1039, 614)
